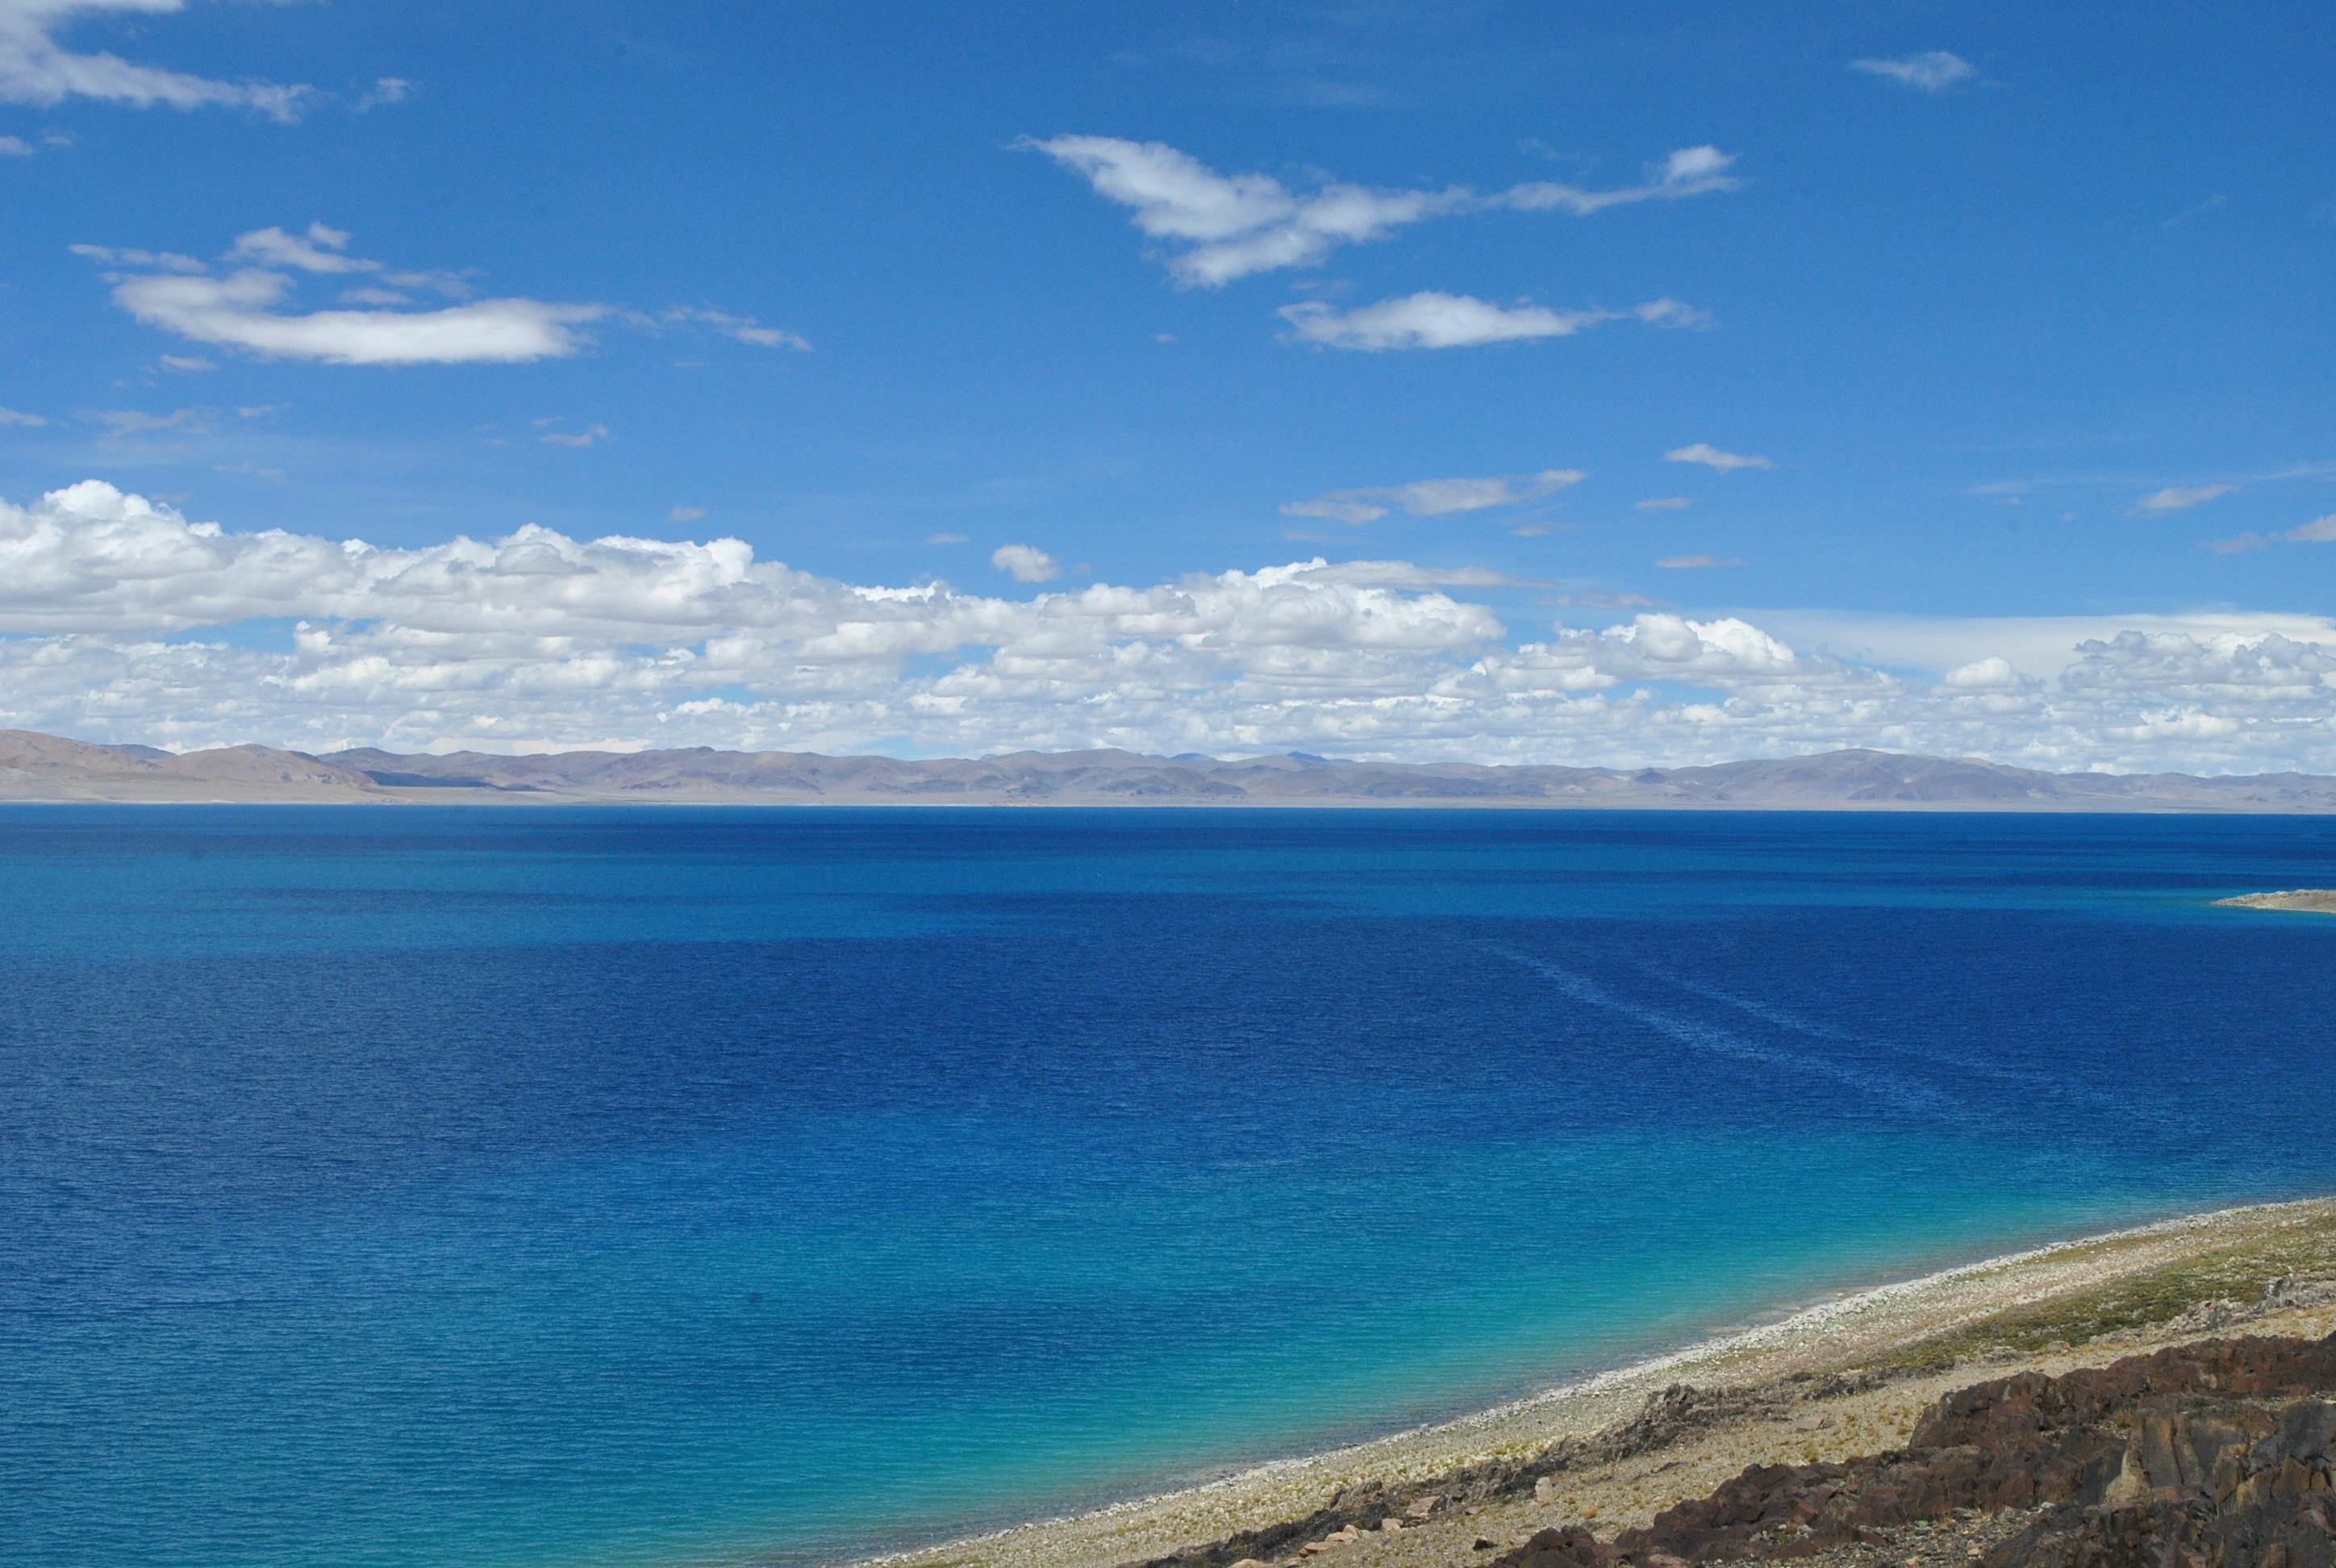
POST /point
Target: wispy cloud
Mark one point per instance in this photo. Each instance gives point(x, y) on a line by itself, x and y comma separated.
point(1221, 227)
point(684, 515)
point(35, 68)
point(138, 422)
point(1690, 171)
point(388, 89)
point(551, 436)
point(1433, 497)
point(1024, 563)
point(2319, 531)
point(250, 306)
point(1933, 71)
point(320, 249)
point(1696, 562)
point(15, 147)
point(2179, 497)
point(743, 329)
point(1712, 457)
point(153, 260)
point(18, 416)
point(1435, 320)
point(1662, 504)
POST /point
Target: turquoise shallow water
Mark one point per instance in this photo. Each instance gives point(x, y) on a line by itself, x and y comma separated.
point(569, 1186)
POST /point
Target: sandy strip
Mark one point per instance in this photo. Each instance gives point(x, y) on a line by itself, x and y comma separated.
point(1847, 1331)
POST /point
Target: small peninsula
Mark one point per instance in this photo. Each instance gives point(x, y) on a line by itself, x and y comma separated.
point(2307, 900)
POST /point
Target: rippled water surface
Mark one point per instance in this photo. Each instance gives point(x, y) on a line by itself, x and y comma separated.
point(413, 1186)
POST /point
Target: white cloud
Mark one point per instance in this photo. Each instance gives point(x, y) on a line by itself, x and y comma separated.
point(1433, 497)
point(2180, 498)
point(158, 260)
point(17, 417)
point(318, 251)
point(15, 147)
point(388, 90)
point(1690, 171)
point(35, 68)
point(1711, 457)
point(138, 422)
point(1433, 320)
point(1696, 562)
point(584, 437)
point(2043, 646)
point(1223, 227)
point(2319, 531)
point(1934, 71)
point(249, 307)
point(947, 539)
point(743, 329)
point(684, 515)
point(1662, 504)
point(1992, 673)
point(112, 610)
point(1024, 563)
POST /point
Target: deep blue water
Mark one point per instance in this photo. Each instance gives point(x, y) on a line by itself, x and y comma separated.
point(413, 1186)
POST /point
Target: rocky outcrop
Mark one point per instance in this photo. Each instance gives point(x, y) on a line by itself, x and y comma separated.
point(1671, 1416)
point(2220, 1454)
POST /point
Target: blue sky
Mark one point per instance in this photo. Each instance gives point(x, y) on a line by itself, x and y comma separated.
point(2021, 311)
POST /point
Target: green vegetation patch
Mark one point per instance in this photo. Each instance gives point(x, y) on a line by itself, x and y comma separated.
point(2238, 1270)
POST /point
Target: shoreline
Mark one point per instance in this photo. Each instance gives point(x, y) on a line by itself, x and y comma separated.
point(515, 801)
point(1834, 1334)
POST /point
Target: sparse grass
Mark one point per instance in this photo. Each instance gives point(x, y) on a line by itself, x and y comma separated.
point(2238, 1271)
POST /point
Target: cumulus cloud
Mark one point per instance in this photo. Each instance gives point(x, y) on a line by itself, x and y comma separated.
point(2179, 497)
point(1433, 320)
point(1933, 71)
point(1433, 497)
point(1024, 563)
point(35, 68)
point(1992, 673)
point(1217, 228)
point(115, 615)
point(1711, 457)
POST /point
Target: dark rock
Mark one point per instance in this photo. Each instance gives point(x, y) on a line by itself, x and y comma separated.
point(2217, 1454)
point(1569, 1547)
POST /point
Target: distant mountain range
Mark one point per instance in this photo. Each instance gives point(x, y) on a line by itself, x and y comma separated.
point(40, 767)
